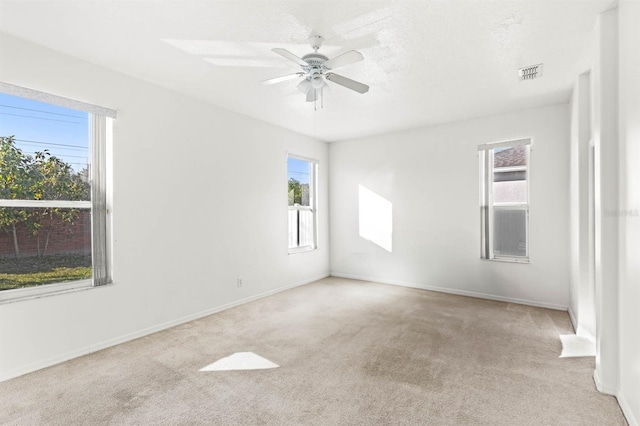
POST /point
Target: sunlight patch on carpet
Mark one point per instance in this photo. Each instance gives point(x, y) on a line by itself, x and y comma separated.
point(576, 346)
point(240, 361)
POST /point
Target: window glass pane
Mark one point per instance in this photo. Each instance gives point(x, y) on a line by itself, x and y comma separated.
point(510, 192)
point(510, 175)
point(293, 227)
point(44, 156)
point(44, 245)
point(510, 157)
point(299, 176)
point(509, 232)
point(306, 228)
point(44, 151)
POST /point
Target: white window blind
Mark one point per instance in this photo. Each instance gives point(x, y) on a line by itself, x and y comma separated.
point(23, 92)
point(507, 144)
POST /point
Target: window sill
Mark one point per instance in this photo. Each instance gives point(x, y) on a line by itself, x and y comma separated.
point(301, 250)
point(30, 293)
point(509, 260)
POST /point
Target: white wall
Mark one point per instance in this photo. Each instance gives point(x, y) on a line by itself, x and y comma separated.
point(582, 289)
point(615, 128)
point(199, 199)
point(605, 140)
point(629, 137)
point(430, 175)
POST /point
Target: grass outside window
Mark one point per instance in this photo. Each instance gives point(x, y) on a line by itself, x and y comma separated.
point(35, 271)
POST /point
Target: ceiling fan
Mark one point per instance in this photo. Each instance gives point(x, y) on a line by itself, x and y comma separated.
point(316, 68)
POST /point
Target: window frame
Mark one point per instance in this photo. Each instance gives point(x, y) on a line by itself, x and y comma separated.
point(313, 203)
point(486, 153)
point(100, 139)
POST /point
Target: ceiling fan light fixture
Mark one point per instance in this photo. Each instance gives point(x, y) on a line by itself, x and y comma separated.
point(304, 86)
point(312, 96)
point(317, 82)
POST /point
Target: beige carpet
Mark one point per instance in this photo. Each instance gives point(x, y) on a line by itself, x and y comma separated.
point(349, 353)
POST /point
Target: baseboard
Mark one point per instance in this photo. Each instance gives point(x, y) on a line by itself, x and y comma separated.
point(453, 291)
point(144, 332)
point(602, 387)
point(622, 401)
point(626, 410)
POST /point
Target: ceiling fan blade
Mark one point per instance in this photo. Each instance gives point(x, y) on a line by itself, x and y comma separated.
point(304, 86)
point(290, 56)
point(312, 95)
point(347, 82)
point(348, 58)
point(283, 78)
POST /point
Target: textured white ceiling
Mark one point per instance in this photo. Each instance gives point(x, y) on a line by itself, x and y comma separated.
point(427, 61)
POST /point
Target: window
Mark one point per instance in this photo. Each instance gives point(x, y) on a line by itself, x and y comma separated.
point(302, 173)
point(504, 200)
point(53, 211)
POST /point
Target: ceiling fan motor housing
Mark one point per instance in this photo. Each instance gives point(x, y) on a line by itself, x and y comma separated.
point(315, 59)
point(316, 64)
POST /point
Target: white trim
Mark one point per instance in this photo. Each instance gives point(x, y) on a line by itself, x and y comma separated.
point(303, 249)
point(36, 95)
point(301, 208)
point(511, 259)
point(574, 322)
point(485, 210)
point(601, 387)
point(315, 167)
point(36, 292)
point(510, 169)
point(302, 158)
point(622, 401)
point(63, 204)
point(626, 410)
point(146, 331)
point(447, 290)
point(512, 206)
point(506, 144)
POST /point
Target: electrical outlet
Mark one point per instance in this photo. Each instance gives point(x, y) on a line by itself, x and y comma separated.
point(239, 282)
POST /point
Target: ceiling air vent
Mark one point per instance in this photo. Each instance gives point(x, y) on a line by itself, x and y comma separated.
point(530, 72)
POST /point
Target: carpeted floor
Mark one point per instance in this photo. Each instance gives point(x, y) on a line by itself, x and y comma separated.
point(349, 353)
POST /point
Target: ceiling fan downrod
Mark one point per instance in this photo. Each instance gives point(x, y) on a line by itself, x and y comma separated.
point(316, 42)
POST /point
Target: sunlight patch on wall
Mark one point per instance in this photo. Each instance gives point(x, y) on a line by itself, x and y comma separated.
point(375, 218)
point(240, 361)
